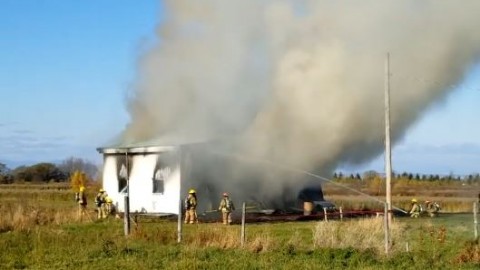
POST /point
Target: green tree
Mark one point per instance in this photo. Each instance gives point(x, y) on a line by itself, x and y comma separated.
point(20, 174)
point(5, 175)
point(3, 169)
point(41, 172)
point(45, 172)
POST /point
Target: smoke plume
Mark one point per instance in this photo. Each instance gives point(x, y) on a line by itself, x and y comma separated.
point(299, 82)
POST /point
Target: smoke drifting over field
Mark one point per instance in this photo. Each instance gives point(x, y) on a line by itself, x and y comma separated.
point(300, 82)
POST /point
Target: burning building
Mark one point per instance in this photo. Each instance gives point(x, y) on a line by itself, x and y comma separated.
point(301, 82)
point(158, 175)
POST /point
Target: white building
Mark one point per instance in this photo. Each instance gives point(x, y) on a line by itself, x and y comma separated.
point(158, 177)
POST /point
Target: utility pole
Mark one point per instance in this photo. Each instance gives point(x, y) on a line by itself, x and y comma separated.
point(388, 148)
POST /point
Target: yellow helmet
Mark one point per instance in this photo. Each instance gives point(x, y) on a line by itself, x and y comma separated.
point(101, 190)
point(192, 191)
point(414, 200)
point(108, 200)
point(82, 188)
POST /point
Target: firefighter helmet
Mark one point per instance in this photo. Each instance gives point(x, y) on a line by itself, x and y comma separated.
point(101, 190)
point(192, 191)
point(82, 188)
point(414, 200)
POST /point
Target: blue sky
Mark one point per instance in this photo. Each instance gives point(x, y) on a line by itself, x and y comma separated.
point(66, 66)
point(445, 139)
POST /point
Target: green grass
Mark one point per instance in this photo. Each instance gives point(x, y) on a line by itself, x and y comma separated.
point(439, 243)
point(285, 246)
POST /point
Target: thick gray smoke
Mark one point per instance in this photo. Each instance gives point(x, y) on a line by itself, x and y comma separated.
point(300, 82)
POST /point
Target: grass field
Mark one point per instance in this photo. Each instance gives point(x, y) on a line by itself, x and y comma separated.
point(41, 231)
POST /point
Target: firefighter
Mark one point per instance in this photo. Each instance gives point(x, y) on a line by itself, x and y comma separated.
point(100, 203)
point(415, 210)
point(108, 206)
point(226, 206)
point(432, 208)
point(81, 199)
point(191, 207)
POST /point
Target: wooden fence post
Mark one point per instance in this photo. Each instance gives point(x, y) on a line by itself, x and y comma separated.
point(126, 216)
point(475, 221)
point(242, 235)
point(386, 229)
point(179, 223)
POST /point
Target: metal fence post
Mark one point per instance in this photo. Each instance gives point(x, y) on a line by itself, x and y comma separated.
point(341, 214)
point(325, 214)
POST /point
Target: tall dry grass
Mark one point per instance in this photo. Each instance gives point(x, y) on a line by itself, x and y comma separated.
point(222, 237)
point(207, 235)
point(24, 217)
point(356, 202)
point(25, 206)
point(453, 196)
point(360, 234)
point(214, 236)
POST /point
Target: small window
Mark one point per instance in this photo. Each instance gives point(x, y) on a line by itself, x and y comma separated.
point(159, 180)
point(158, 186)
point(122, 179)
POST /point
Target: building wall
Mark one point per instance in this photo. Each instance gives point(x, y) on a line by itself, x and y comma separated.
point(110, 180)
point(142, 169)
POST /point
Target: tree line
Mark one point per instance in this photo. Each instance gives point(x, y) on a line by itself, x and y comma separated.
point(369, 175)
point(45, 172)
